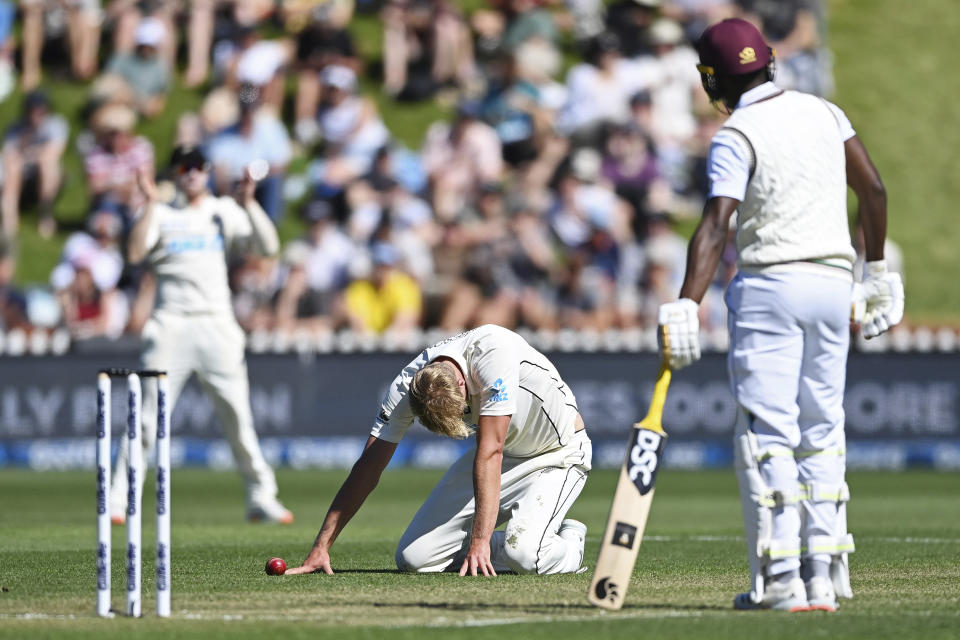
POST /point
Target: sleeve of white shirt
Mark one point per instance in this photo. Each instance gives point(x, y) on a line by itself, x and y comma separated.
point(728, 165)
point(236, 223)
point(497, 373)
point(152, 239)
point(395, 416)
point(846, 128)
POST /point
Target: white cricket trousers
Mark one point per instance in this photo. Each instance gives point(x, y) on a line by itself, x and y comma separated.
point(535, 495)
point(789, 337)
point(212, 346)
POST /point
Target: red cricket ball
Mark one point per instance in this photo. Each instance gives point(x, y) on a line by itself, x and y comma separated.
point(276, 567)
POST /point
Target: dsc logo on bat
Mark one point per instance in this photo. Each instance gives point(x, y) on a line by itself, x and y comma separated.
point(644, 459)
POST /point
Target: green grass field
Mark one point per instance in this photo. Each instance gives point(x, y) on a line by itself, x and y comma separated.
point(906, 572)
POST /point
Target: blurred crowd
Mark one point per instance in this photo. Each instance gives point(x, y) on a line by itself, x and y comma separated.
point(548, 199)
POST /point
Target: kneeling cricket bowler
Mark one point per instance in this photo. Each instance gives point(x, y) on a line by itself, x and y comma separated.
point(530, 462)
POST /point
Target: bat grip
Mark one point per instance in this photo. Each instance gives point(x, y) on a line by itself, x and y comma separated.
point(660, 390)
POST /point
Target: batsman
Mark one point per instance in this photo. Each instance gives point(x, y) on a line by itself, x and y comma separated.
point(782, 163)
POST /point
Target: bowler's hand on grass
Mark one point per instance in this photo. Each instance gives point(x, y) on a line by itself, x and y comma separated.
point(318, 561)
point(478, 559)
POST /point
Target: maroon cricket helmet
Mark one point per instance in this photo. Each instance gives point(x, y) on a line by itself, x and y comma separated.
point(733, 47)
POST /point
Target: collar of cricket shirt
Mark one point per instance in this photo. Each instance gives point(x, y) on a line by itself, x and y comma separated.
point(762, 92)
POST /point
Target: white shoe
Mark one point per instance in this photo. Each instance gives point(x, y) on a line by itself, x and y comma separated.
point(820, 594)
point(779, 596)
point(575, 532)
point(269, 511)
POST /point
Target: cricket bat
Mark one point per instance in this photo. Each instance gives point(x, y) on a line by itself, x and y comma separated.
point(631, 503)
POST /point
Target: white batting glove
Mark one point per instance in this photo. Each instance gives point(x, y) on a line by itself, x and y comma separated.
point(679, 333)
point(883, 292)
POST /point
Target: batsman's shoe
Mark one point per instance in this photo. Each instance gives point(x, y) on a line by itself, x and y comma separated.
point(269, 511)
point(780, 596)
point(820, 594)
point(575, 532)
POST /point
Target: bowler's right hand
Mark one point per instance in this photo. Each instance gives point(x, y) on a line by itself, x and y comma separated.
point(318, 561)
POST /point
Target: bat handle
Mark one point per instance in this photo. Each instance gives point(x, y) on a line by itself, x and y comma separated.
point(660, 389)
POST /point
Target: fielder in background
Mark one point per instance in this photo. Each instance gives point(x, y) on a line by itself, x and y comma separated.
point(783, 161)
point(528, 465)
point(193, 329)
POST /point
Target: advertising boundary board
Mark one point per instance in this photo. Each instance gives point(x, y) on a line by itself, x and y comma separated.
point(902, 410)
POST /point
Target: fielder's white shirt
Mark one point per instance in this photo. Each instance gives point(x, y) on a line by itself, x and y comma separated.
point(187, 252)
point(504, 376)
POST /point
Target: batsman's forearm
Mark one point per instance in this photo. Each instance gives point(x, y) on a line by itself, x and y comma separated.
point(703, 256)
point(864, 179)
point(872, 210)
point(486, 488)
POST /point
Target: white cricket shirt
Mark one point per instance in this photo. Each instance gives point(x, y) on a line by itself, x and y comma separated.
point(187, 252)
point(781, 155)
point(504, 376)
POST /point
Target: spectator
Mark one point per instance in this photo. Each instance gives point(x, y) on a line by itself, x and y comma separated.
point(128, 15)
point(630, 164)
point(317, 272)
point(665, 259)
point(88, 310)
point(670, 75)
point(384, 299)
point(507, 262)
point(259, 63)
point(585, 203)
point(513, 22)
point(8, 14)
point(254, 283)
point(794, 28)
point(32, 153)
point(13, 303)
point(112, 163)
point(604, 73)
point(351, 129)
point(629, 21)
point(586, 18)
point(144, 71)
point(696, 15)
point(202, 27)
point(97, 247)
point(82, 19)
point(426, 45)
point(322, 40)
point(459, 159)
point(515, 106)
point(259, 135)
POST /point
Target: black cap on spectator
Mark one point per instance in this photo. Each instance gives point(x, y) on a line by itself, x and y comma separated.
point(640, 97)
point(36, 100)
point(188, 157)
point(603, 43)
point(468, 108)
point(491, 188)
point(317, 210)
